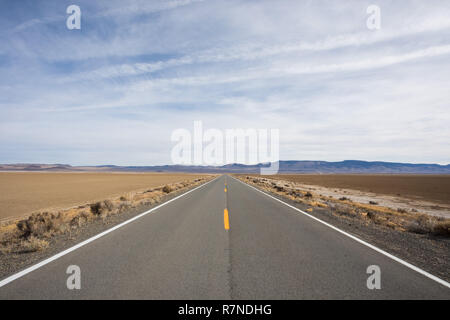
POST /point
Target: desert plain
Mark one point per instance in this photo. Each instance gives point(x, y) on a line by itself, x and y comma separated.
point(22, 193)
point(429, 194)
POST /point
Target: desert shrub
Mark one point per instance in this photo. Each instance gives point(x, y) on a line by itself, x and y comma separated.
point(340, 209)
point(167, 189)
point(423, 224)
point(33, 244)
point(279, 188)
point(79, 220)
point(108, 205)
point(308, 194)
point(400, 210)
point(371, 215)
point(124, 205)
point(442, 228)
point(122, 198)
point(39, 224)
point(96, 208)
point(416, 227)
point(378, 217)
point(343, 198)
point(373, 202)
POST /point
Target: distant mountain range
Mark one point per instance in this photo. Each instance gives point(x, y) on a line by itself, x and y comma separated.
point(347, 166)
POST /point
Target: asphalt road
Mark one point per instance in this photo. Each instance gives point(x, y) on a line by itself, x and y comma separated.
point(184, 250)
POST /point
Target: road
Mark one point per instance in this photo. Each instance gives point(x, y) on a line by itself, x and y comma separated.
point(188, 249)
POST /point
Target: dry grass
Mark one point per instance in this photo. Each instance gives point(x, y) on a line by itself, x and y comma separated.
point(425, 224)
point(398, 219)
point(35, 231)
point(33, 244)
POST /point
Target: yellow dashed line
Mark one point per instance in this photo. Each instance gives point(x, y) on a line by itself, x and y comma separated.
point(226, 220)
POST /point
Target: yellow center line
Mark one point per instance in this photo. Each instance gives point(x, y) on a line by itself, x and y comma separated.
point(226, 220)
point(225, 189)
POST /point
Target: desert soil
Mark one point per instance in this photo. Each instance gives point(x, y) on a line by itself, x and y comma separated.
point(22, 193)
point(428, 194)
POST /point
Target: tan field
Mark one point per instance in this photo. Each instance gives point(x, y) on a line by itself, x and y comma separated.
point(24, 192)
point(433, 188)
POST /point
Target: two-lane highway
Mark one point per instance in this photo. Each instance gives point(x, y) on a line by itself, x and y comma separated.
point(224, 240)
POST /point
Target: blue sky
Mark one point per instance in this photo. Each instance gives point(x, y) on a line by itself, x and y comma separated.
point(112, 92)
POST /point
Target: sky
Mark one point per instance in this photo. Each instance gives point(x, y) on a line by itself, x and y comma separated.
point(115, 90)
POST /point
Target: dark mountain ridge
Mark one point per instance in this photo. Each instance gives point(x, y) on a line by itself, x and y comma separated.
point(290, 166)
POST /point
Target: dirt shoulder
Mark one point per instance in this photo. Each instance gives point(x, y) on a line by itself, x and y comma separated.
point(419, 239)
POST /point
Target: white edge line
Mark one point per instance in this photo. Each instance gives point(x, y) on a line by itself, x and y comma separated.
point(85, 242)
point(406, 264)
